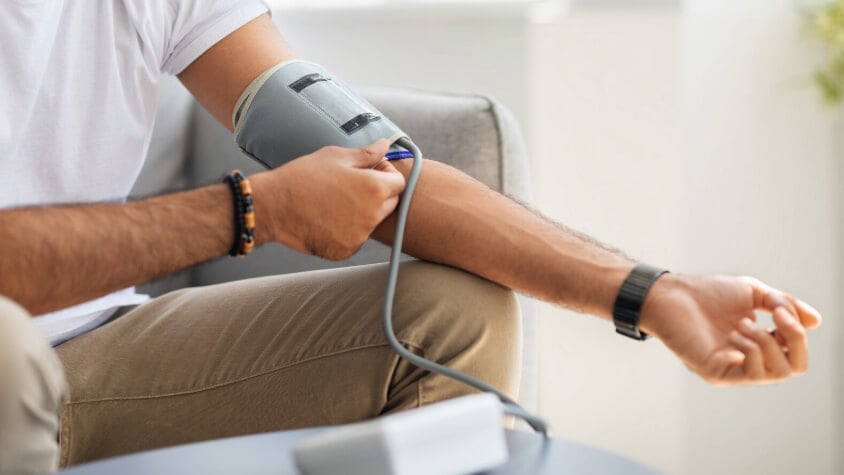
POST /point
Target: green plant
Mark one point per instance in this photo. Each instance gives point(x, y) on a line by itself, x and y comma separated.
point(828, 27)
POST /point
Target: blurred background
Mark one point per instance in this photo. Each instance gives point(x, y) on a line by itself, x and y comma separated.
point(690, 134)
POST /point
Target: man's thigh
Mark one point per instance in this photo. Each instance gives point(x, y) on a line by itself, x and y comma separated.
point(277, 353)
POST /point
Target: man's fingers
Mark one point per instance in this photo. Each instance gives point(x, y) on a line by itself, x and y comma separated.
point(388, 206)
point(780, 339)
point(809, 316)
point(765, 360)
point(768, 298)
point(776, 363)
point(385, 165)
point(372, 159)
point(794, 335)
point(724, 364)
point(387, 174)
point(754, 364)
point(369, 156)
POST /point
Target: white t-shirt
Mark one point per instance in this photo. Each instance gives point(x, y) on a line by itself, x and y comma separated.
point(78, 84)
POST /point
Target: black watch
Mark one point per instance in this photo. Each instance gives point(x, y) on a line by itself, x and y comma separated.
point(631, 296)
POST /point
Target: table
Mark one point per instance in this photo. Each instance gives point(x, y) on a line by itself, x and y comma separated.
point(270, 453)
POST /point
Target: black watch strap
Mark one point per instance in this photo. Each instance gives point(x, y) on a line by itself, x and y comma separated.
point(631, 296)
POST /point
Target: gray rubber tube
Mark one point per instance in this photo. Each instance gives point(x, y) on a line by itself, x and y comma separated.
point(510, 406)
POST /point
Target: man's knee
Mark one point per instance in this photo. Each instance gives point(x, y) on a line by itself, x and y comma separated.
point(452, 315)
point(31, 388)
point(481, 304)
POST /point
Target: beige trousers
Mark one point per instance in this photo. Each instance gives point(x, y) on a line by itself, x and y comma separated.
point(259, 355)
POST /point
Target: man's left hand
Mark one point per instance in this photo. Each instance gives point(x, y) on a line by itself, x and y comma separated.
point(710, 323)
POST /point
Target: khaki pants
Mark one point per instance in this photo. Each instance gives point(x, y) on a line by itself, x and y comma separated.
point(256, 355)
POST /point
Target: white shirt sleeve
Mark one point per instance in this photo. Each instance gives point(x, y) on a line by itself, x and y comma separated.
point(199, 25)
point(179, 31)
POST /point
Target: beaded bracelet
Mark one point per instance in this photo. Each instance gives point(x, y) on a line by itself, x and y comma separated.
point(244, 214)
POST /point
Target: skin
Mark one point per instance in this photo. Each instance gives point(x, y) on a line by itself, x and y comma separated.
point(707, 321)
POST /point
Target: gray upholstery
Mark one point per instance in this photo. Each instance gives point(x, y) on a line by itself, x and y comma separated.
point(472, 133)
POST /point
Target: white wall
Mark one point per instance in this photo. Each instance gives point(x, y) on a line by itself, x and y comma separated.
point(460, 49)
point(694, 140)
point(606, 108)
point(764, 178)
point(691, 139)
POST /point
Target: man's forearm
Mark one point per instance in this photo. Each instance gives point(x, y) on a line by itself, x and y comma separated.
point(458, 221)
point(57, 256)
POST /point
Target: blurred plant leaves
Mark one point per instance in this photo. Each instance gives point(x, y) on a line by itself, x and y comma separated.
point(828, 26)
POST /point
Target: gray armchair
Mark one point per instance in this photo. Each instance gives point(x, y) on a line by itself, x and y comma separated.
point(472, 133)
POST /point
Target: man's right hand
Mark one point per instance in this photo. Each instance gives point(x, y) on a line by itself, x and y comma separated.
point(329, 202)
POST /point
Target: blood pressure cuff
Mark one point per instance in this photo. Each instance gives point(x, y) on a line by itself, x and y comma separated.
point(297, 107)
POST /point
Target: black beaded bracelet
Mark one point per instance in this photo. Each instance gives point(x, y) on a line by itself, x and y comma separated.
point(244, 214)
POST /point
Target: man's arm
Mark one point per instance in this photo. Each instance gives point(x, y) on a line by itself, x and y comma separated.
point(53, 257)
point(218, 77)
point(458, 221)
point(57, 256)
point(455, 220)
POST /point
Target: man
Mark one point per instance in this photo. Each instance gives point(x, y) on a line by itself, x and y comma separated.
point(78, 82)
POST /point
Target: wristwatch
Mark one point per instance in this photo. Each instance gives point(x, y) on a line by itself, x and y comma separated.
point(628, 305)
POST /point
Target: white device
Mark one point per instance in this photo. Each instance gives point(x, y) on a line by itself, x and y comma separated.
point(459, 436)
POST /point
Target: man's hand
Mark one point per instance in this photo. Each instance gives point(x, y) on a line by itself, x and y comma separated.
point(329, 202)
point(709, 322)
